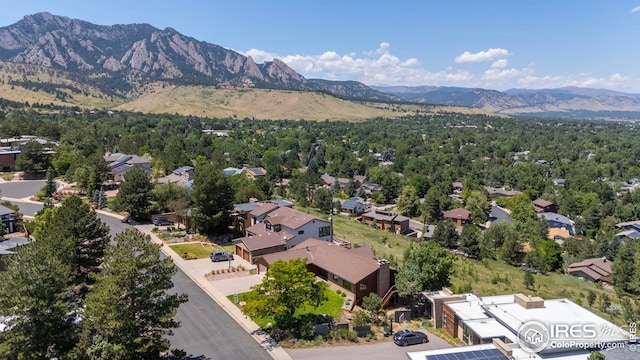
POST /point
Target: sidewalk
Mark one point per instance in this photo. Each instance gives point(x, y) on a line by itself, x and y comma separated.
point(194, 272)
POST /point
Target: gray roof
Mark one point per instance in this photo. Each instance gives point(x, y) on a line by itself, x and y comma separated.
point(6, 211)
point(556, 217)
point(14, 242)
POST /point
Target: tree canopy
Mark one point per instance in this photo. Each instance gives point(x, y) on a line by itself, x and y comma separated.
point(426, 267)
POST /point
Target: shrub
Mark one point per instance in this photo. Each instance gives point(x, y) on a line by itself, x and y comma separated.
point(360, 318)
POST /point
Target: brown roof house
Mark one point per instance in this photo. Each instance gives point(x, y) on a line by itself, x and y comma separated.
point(541, 205)
point(353, 269)
point(596, 269)
point(253, 173)
point(459, 216)
point(281, 228)
point(385, 220)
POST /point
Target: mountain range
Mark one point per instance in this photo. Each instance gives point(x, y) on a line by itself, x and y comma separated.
point(122, 61)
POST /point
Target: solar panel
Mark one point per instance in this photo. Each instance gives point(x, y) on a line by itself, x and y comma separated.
point(490, 354)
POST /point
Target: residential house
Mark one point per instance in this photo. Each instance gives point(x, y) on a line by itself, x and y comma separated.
point(559, 182)
point(330, 181)
point(253, 173)
point(541, 205)
point(8, 218)
point(630, 185)
point(459, 216)
point(595, 269)
point(354, 270)
point(355, 206)
point(557, 221)
point(456, 186)
point(301, 225)
point(233, 171)
point(247, 214)
point(120, 164)
point(371, 188)
point(8, 158)
point(385, 220)
point(630, 230)
point(182, 176)
point(495, 322)
point(8, 246)
point(250, 247)
point(500, 192)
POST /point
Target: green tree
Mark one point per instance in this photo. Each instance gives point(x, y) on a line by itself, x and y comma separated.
point(134, 195)
point(426, 267)
point(624, 270)
point(74, 233)
point(596, 355)
point(477, 203)
point(36, 305)
point(591, 297)
point(99, 199)
point(470, 241)
point(212, 197)
point(529, 280)
point(446, 235)
point(50, 186)
point(287, 287)
point(32, 159)
point(323, 200)
point(130, 309)
point(408, 202)
point(511, 250)
point(373, 304)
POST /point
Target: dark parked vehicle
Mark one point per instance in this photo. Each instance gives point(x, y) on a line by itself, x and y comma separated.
point(409, 337)
point(221, 256)
point(162, 221)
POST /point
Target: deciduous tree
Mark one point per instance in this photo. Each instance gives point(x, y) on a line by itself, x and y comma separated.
point(426, 267)
point(286, 287)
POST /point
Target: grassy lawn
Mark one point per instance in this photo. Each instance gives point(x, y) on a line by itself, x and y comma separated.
point(384, 244)
point(200, 251)
point(491, 277)
point(332, 306)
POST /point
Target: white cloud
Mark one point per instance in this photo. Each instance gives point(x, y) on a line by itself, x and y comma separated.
point(499, 64)
point(382, 67)
point(635, 9)
point(489, 55)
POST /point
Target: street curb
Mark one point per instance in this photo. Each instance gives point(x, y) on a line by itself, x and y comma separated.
point(276, 352)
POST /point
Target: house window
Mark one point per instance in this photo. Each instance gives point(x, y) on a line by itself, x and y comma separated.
point(444, 319)
point(324, 231)
point(347, 285)
point(467, 336)
point(300, 232)
point(363, 287)
point(336, 277)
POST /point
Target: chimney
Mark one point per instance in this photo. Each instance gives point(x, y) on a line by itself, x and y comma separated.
point(384, 277)
point(307, 248)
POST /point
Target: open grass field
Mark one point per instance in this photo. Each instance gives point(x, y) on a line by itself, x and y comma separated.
point(331, 306)
point(268, 104)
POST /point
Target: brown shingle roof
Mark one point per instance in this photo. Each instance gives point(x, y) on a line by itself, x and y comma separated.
point(265, 240)
point(384, 216)
point(597, 268)
point(291, 218)
point(263, 209)
point(459, 213)
point(345, 263)
point(542, 203)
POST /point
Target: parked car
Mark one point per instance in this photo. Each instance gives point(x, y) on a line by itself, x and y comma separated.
point(162, 221)
point(221, 256)
point(409, 337)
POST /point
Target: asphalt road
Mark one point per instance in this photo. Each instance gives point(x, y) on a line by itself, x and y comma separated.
point(207, 331)
point(379, 351)
point(21, 189)
point(499, 214)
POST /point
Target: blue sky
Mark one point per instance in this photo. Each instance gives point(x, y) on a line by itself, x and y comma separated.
point(494, 44)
